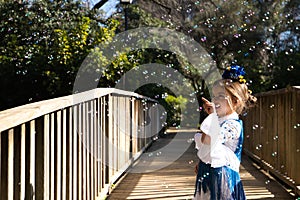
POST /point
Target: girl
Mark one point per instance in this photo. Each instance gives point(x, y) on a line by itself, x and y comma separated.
point(220, 143)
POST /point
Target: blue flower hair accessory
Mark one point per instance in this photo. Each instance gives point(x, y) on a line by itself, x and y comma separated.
point(235, 73)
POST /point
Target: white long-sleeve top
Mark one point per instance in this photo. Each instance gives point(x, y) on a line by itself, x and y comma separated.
point(225, 133)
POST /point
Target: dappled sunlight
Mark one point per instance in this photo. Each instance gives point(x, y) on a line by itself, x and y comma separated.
point(177, 180)
point(172, 187)
point(260, 185)
point(257, 192)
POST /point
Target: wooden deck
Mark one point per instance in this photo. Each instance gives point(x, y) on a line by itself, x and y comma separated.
point(176, 181)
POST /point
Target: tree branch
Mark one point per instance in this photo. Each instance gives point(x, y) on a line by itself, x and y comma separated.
point(165, 7)
point(100, 4)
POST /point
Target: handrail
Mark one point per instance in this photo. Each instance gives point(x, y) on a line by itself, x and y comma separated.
point(272, 134)
point(18, 115)
point(73, 147)
point(279, 91)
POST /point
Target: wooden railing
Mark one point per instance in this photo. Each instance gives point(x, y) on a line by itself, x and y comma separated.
point(272, 134)
point(73, 147)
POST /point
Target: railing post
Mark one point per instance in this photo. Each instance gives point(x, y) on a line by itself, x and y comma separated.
point(84, 154)
point(23, 159)
point(32, 159)
point(46, 157)
point(75, 150)
point(52, 161)
point(71, 133)
point(110, 137)
point(64, 155)
point(58, 155)
point(10, 165)
point(79, 150)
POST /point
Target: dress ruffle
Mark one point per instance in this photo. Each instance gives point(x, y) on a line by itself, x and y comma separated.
point(220, 183)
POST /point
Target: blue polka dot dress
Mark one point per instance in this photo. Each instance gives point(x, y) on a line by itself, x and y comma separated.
point(218, 170)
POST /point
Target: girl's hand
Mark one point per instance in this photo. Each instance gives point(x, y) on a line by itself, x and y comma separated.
point(208, 106)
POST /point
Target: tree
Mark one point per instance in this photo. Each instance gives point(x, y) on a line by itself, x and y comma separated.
point(243, 32)
point(42, 46)
point(284, 47)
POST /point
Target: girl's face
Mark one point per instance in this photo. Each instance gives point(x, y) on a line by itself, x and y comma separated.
point(222, 101)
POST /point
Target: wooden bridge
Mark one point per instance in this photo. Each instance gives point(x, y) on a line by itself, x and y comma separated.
point(177, 180)
point(100, 144)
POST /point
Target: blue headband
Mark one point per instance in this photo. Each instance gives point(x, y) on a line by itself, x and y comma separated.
point(235, 73)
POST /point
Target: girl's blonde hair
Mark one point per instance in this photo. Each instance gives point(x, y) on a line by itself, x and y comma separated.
point(239, 91)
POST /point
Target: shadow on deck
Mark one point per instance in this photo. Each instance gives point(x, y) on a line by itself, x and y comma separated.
point(176, 181)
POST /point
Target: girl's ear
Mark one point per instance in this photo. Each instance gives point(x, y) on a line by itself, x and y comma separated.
point(235, 100)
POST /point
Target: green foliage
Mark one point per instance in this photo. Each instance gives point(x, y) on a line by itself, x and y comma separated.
point(43, 43)
point(176, 105)
point(243, 32)
point(139, 18)
point(42, 47)
point(172, 104)
point(288, 67)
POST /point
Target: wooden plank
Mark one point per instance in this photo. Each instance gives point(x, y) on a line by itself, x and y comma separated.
point(58, 155)
point(104, 137)
point(71, 139)
point(102, 150)
point(274, 130)
point(64, 156)
point(135, 127)
point(101, 147)
point(80, 133)
point(88, 148)
point(265, 123)
point(23, 159)
point(281, 136)
point(52, 156)
point(122, 142)
point(116, 145)
point(10, 165)
point(76, 130)
point(41, 135)
point(92, 151)
point(294, 132)
point(84, 152)
point(127, 128)
point(275, 134)
point(137, 133)
point(32, 159)
point(110, 137)
point(46, 157)
point(288, 134)
point(257, 132)
point(96, 145)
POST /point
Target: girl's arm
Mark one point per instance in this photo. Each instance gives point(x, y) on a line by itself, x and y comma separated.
point(205, 139)
point(208, 107)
